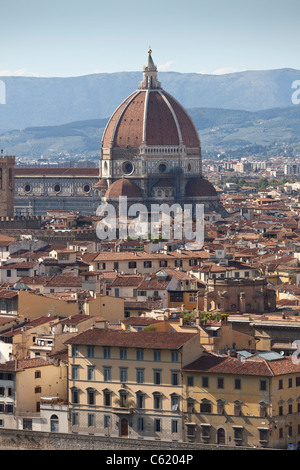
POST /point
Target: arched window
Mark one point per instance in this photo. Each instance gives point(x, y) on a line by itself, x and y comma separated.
point(54, 423)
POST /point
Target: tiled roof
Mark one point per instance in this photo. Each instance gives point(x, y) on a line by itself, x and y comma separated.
point(56, 172)
point(251, 366)
point(19, 365)
point(142, 339)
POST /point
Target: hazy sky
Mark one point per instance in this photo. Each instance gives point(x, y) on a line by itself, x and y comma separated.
point(79, 37)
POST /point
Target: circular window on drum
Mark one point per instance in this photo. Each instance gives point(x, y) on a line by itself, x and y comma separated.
point(87, 188)
point(27, 188)
point(127, 168)
point(57, 188)
point(162, 167)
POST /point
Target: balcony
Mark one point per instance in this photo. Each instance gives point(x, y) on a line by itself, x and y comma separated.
point(123, 406)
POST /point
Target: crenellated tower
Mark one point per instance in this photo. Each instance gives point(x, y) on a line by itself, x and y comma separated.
point(7, 164)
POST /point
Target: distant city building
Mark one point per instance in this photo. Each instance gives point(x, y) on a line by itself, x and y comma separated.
point(292, 169)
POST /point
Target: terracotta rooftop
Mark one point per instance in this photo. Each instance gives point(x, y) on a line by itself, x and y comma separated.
point(22, 364)
point(142, 339)
point(252, 366)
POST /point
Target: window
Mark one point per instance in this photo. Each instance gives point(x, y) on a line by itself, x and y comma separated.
point(263, 385)
point(238, 434)
point(193, 297)
point(91, 373)
point(175, 378)
point(263, 435)
point(140, 424)
point(27, 424)
point(123, 375)
point(107, 374)
point(54, 423)
point(90, 351)
point(157, 425)
point(290, 409)
point(163, 264)
point(106, 421)
point(174, 356)
point(123, 353)
point(91, 420)
point(74, 372)
point(38, 390)
point(205, 382)
point(117, 292)
point(178, 263)
point(297, 381)
point(192, 262)
point(220, 382)
point(190, 381)
point(75, 395)
point(290, 383)
point(139, 354)
point(101, 266)
point(147, 264)
point(132, 264)
point(176, 296)
point(142, 293)
point(205, 431)
point(157, 377)
point(280, 384)
point(205, 406)
point(140, 399)
point(280, 410)
point(75, 420)
point(174, 426)
point(157, 401)
point(237, 384)
point(140, 376)
point(157, 355)
point(106, 397)
point(106, 353)
point(74, 351)
point(37, 374)
point(174, 402)
point(91, 396)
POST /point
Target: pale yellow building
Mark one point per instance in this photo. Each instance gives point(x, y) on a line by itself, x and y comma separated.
point(128, 384)
point(32, 305)
point(251, 400)
point(23, 383)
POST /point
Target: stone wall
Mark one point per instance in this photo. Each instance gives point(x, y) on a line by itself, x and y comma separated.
point(31, 440)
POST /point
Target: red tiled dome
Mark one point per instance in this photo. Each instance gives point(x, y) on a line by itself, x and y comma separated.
point(199, 187)
point(123, 187)
point(101, 184)
point(152, 117)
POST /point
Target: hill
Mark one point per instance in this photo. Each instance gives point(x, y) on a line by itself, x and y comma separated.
point(37, 101)
point(219, 129)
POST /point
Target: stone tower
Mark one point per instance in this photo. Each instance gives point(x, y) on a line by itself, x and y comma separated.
point(7, 164)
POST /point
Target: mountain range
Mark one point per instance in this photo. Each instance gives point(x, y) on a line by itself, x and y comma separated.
point(67, 115)
point(39, 101)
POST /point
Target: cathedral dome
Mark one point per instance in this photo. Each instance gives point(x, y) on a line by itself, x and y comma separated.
point(123, 187)
point(150, 117)
point(200, 187)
